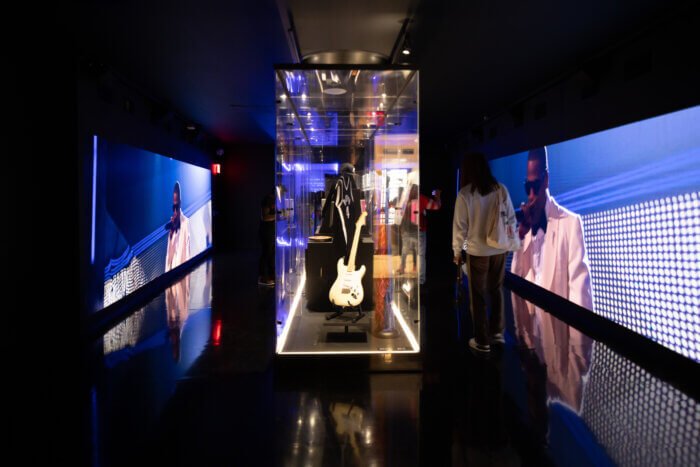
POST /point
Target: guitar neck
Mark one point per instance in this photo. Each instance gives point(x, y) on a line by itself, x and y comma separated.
point(353, 251)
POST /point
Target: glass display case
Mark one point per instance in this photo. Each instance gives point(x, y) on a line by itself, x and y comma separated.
point(347, 198)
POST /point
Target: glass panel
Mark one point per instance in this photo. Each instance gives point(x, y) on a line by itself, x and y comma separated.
point(347, 157)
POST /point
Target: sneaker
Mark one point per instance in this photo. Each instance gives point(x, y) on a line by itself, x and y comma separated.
point(498, 338)
point(270, 283)
point(261, 281)
point(482, 348)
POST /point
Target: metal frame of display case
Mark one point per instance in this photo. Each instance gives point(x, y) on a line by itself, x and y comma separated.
point(295, 296)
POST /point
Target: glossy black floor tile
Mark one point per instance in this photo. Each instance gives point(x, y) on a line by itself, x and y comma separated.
point(189, 380)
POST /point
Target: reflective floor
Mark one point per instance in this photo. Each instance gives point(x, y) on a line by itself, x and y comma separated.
point(189, 380)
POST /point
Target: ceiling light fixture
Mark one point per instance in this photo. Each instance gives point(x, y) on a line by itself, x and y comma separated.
point(406, 49)
point(334, 89)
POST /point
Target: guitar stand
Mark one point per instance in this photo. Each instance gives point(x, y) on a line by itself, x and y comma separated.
point(340, 310)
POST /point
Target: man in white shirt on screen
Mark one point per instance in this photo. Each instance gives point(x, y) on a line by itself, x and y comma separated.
point(553, 254)
point(178, 234)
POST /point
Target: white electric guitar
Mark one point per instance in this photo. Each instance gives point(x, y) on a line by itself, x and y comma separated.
point(347, 288)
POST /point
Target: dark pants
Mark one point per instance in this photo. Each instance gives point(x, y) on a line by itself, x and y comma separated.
point(266, 234)
point(485, 274)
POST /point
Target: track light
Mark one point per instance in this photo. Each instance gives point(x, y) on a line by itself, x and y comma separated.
point(406, 49)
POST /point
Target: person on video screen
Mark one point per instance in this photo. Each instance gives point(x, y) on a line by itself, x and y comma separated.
point(178, 234)
point(553, 254)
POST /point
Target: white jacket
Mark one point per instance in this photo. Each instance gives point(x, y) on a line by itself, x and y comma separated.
point(565, 268)
point(472, 212)
point(179, 245)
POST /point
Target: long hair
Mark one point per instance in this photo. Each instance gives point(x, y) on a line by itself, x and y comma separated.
point(475, 170)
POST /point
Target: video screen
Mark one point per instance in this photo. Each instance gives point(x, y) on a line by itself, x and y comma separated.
point(611, 221)
point(150, 214)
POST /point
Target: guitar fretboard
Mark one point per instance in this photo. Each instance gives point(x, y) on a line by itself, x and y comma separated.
point(356, 238)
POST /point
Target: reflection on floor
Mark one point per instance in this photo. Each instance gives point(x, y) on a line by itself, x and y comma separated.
point(194, 385)
point(373, 421)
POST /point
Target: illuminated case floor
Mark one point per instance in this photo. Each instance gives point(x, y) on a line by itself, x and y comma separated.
point(310, 332)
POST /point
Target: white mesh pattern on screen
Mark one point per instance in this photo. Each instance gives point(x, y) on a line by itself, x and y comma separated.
point(644, 265)
point(639, 419)
point(142, 269)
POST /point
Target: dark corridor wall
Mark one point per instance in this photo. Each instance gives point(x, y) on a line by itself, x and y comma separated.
point(247, 175)
point(436, 174)
point(652, 74)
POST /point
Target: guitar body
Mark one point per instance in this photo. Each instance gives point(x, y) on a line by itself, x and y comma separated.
point(347, 289)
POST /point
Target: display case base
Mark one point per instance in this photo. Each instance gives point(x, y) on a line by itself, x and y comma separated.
point(387, 334)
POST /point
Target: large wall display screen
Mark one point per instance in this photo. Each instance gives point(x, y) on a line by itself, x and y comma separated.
point(619, 231)
point(150, 213)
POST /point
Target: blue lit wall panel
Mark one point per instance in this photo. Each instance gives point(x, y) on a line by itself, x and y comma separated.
point(635, 162)
point(636, 188)
point(131, 204)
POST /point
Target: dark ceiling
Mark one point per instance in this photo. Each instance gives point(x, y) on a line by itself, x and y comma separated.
point(368, 25)
point(213, 60)
point(479, 57)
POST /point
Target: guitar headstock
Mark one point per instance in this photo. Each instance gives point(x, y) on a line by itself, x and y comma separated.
point(361, 220)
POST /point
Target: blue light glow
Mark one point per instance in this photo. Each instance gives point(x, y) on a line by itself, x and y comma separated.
point(287, 243)
point(94, 197)
point(457, 191)
point(282, 242)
